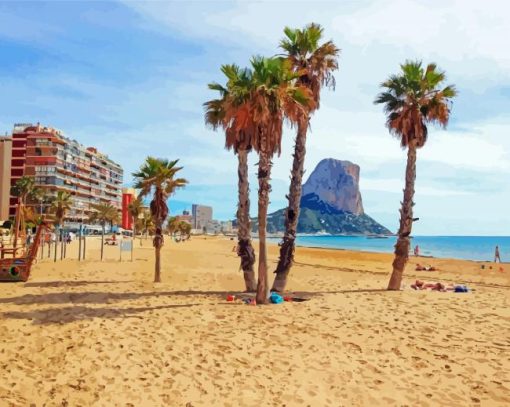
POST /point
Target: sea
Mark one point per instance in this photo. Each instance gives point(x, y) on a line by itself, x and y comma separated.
point(479, 248)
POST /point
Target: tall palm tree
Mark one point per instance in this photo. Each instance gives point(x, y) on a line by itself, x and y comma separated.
point(157, 176)
point(412, 99)
point(134, 209)
point(314, 63)
point(103, 213)
point(274, 96)
point(225, 113)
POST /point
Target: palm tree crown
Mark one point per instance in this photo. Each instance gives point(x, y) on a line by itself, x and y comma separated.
point(412, 99)
point(231, 111)
point(60, 204)
point(313, 62)
point(103, 213)
point(23, 188)
point(157, 176)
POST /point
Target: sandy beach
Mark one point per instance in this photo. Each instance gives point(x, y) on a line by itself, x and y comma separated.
point(102, 334)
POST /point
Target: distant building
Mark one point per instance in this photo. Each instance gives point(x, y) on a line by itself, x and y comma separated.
point(226, 226)
point(201, 216)
point(128, 196)
point(213, 226)
point(5, 175)
point(60, 164)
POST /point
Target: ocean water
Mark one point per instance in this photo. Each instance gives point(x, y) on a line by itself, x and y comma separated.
point(479, 248)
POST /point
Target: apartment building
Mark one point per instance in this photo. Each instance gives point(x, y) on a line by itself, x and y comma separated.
point(201, 216)
point(59, 163)
point(5, 176)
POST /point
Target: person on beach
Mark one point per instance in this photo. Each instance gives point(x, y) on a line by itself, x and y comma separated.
point(496, 255)
point(417, 250)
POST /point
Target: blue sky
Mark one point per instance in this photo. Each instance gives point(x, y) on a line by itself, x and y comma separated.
point(130, 78)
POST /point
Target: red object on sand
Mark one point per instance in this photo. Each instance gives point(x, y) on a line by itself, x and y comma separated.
point(289, 299)
point(230, 298)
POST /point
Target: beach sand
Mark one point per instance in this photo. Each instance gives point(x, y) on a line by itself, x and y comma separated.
point(102, 334)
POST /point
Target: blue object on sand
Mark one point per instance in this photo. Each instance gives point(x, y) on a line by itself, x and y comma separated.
point(461, 289)
point(276, 298)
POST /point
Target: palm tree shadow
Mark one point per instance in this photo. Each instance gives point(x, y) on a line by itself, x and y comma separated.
point(101, 297)
point(44, 284)
point(79, 313)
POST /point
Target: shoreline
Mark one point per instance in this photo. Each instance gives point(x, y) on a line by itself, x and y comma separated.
point(387, 247)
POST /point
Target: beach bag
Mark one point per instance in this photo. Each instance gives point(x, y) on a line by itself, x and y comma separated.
point(461, 289)
point(276, 298)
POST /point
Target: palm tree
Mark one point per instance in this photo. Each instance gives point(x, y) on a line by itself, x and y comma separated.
point(226, 113)
point(38, 196)
point(103, 213)
point(184, 229)
point(134, 210)
point(412, 99)
point(146, 224)
point(23, 188)
point(172, 225)
point(314, 63)
point(60, 204)
point(157, 176)
point(273, 97)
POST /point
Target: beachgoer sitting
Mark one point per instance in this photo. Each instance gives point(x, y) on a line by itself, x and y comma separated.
point(419, 267)
point(432, 285)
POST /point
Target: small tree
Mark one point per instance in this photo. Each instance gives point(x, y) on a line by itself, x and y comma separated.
point(134, 210)
point(157, 177)
point(103, 213)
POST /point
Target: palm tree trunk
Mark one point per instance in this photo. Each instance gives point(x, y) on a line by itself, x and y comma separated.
point(264, 189)
point(102, 242)
point(292, 213)
point(158, 242)
point(245, 249)
point(406, 222)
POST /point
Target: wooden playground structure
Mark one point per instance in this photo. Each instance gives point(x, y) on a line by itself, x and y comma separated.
point(16, 259)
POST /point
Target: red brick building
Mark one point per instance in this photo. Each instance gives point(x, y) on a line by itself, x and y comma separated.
point(60, 164)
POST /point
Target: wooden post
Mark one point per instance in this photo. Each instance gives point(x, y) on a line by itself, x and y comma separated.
point(61, 244)
point(84, 245)
point(43, 240)
point(79, 241)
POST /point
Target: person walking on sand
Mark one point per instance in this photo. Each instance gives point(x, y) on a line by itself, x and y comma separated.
point(417, 250)
point(496, 255)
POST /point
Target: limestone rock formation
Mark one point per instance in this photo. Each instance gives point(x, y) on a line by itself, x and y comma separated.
point(331, 203)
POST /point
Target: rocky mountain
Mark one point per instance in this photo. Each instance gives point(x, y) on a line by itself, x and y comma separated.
point(331, 203)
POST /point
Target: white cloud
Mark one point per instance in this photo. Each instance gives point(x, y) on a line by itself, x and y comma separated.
point(396, 185)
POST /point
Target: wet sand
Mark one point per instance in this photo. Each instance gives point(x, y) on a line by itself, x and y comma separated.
point(102, 334)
